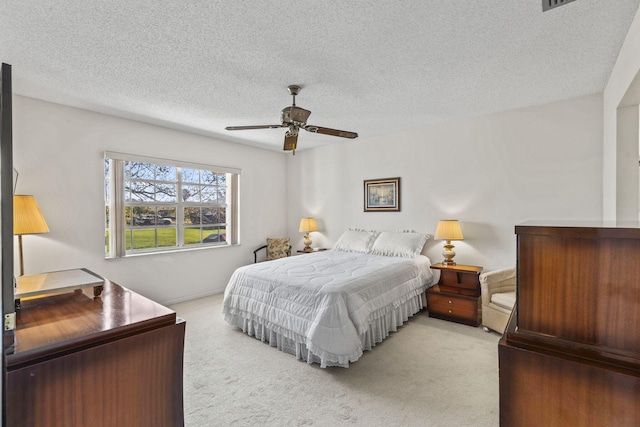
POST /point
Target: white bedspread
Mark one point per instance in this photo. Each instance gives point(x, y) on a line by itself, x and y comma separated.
point(324, 300)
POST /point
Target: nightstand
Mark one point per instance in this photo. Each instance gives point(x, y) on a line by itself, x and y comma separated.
point(456, 297)
point(314, 250)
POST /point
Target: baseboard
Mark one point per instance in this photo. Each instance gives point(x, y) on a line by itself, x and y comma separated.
point(191, 297)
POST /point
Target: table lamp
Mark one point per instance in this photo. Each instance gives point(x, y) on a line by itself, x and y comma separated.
point(307, 225)
point(448, 229)
point(27, 219)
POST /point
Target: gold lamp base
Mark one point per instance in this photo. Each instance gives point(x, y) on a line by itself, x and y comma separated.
point(448, 254)
point(307, 243)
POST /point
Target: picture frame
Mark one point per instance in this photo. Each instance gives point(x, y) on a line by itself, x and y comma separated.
point(382, 195)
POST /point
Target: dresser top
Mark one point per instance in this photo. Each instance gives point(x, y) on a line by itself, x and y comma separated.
point(585, 229)
point(68, 321)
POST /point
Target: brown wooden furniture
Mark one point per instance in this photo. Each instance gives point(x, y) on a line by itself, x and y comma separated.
point(456, 297)
point(79, 360)
point(571, 353)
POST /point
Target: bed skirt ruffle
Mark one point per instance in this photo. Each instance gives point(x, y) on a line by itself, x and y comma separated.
point(381, 325)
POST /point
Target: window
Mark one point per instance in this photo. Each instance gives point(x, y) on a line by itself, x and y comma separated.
point(154, 205)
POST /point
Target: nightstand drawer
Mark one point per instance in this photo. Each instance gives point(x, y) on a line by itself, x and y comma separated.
point(460, 279)
point(453, 307)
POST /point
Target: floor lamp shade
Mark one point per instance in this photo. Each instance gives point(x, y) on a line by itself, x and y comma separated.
point(27, 219)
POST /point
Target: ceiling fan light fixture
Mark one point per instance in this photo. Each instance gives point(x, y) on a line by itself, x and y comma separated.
point(293, 131)
point(294, 115)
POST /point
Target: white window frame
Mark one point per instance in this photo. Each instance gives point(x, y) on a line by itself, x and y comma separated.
point(115, 226)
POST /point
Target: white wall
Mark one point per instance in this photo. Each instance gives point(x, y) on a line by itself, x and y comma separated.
point(620, 172)
point(58, 152)
point(490, 172)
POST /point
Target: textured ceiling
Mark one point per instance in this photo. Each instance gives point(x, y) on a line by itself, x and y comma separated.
point(369, 67)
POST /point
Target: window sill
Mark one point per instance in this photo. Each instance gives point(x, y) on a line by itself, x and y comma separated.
point(170, 251)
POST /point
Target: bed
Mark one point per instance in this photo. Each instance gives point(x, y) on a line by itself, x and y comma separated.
point(328, 307)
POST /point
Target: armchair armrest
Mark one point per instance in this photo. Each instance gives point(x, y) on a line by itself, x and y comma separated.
point(255, 253)
point(498, 281)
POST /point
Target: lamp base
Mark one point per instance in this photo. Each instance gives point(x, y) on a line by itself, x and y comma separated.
point(448, 254)
point(307, 243)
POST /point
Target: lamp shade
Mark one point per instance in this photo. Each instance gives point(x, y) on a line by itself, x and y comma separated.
point(448, 229)
point(27, 218)
point(307, 225)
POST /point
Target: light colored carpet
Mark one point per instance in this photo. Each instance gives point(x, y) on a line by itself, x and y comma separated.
point(429, 373)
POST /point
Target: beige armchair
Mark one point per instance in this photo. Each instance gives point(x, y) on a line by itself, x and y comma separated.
point(498, 289)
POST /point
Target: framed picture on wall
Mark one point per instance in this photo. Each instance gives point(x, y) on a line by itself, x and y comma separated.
point(382, 195)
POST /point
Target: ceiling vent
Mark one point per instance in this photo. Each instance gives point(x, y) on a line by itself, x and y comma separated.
point(551, 4)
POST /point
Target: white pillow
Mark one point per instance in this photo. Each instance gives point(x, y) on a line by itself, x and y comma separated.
point(355, 241)
point(403, 244)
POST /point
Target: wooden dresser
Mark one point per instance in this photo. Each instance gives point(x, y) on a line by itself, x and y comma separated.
point(570, 355)
point(112, 360)
point(456, 297)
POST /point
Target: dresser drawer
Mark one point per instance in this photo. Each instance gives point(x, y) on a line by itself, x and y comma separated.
point(453, 307)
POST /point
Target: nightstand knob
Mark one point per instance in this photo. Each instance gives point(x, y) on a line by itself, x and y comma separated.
point(449, 301)
point(450, 311)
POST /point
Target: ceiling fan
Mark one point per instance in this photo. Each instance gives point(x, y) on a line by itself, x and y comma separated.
point(295, 118)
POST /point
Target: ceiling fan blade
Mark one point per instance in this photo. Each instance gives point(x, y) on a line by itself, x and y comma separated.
point(290, 142)
point(332, 132)
point(254, 127)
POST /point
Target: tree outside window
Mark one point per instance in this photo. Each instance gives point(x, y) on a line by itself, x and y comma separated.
point(162, 207)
